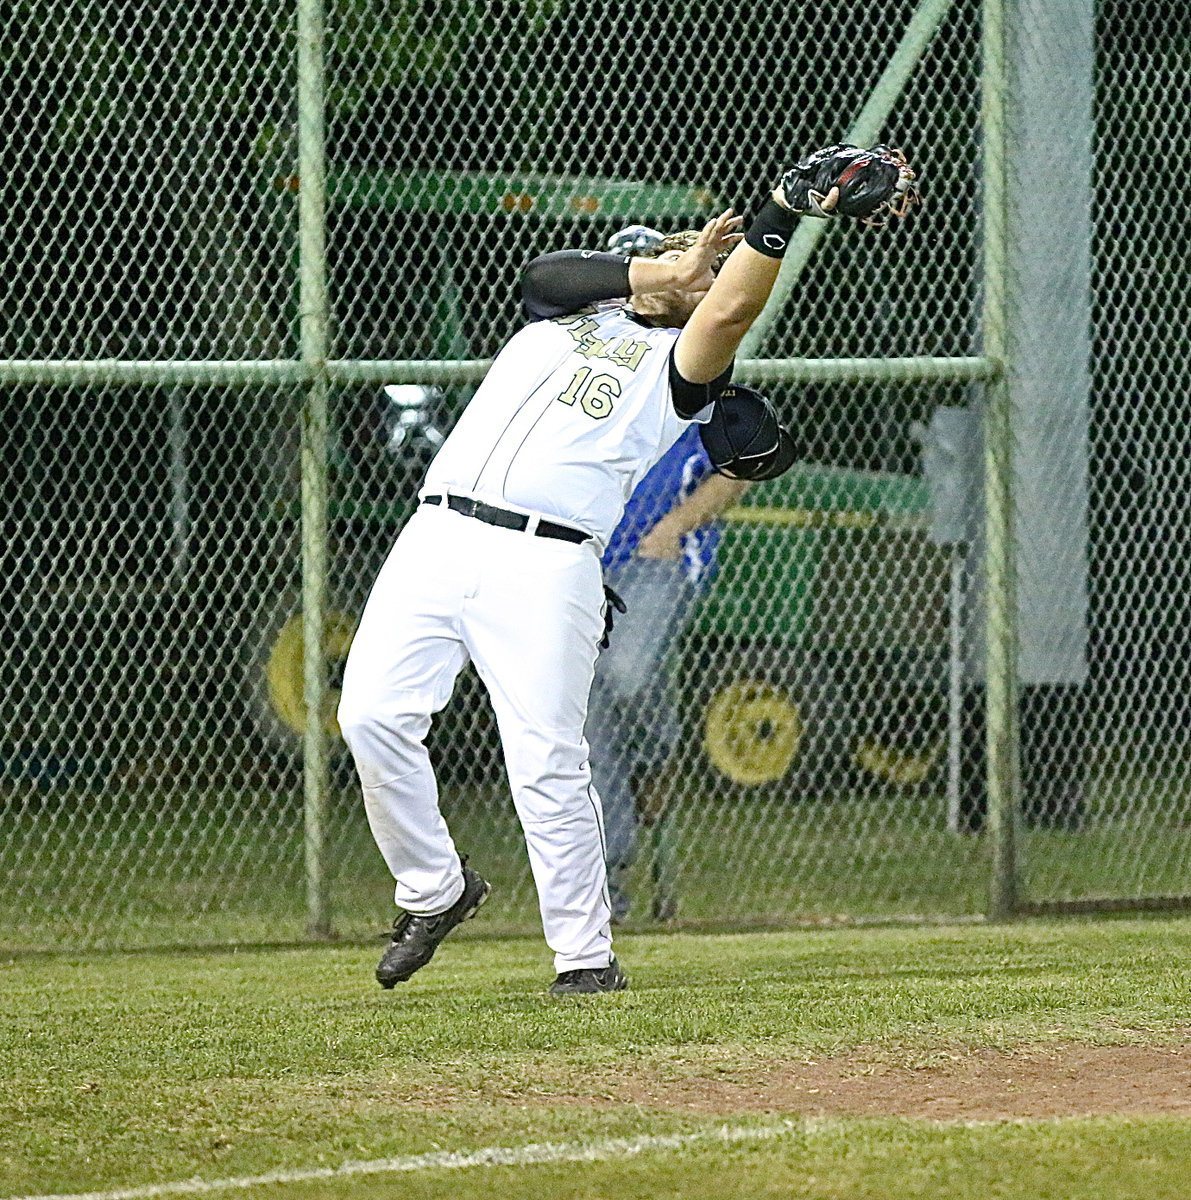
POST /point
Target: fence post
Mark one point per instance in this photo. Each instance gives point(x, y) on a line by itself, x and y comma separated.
point(313, 311)
point(1003, 783)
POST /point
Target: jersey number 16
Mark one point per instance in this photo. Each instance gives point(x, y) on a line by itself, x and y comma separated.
point(594, 393)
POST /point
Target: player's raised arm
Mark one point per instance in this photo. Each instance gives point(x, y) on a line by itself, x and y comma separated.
point(708, 342)
point(865, 185)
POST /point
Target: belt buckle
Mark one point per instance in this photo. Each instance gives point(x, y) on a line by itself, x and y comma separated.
point(466, 505)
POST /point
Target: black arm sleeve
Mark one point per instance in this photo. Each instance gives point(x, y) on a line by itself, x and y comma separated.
point(689, 398)
point(568, 280)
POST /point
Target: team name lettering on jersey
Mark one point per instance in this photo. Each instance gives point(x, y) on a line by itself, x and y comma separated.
point(625, 352)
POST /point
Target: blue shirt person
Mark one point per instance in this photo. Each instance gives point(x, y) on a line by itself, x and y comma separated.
point(659, 560)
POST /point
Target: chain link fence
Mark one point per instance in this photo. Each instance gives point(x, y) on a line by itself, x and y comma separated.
point(194, 444)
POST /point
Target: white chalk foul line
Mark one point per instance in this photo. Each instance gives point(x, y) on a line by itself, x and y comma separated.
point(450, 1160)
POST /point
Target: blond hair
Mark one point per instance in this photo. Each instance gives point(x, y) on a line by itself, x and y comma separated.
point(684, 240)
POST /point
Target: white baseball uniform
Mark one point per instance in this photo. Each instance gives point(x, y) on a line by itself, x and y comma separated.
point(572, 414)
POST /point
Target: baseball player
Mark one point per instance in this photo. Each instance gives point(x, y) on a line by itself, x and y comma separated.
point(500, 564)
point(661, 557)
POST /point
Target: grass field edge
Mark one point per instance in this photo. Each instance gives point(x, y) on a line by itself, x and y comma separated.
point(531, 1154)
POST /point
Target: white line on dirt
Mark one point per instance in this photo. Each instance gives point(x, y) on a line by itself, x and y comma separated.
point(451, 1160)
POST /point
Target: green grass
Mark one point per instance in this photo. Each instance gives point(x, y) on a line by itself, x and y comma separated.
point(205, 869)
point(847, 1160)
point(131, 1069)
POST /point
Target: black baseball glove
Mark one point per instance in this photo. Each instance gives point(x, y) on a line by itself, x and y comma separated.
point(873, 184)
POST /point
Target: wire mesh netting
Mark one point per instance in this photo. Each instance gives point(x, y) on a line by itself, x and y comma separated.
point(820, 703)
point(1104, 751)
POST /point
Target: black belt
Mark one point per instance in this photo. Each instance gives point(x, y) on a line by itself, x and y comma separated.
point(508, 520)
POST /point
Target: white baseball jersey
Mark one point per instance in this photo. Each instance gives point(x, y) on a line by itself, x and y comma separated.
point(571, 416)
point(573, 413)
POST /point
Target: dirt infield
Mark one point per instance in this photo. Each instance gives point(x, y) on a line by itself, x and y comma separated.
point(1063, 1081)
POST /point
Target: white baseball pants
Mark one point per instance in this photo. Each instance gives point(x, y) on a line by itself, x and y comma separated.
point(528, 611)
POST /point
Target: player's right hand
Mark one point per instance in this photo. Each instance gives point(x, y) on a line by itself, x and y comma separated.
point(820, 205)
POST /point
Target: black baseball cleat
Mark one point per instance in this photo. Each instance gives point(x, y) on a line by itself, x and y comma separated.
point(587, 981)
point(415, 938)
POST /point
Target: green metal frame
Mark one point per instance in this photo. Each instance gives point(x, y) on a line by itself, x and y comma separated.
point(1004, 782)
point(111, 372)
point(314, 318)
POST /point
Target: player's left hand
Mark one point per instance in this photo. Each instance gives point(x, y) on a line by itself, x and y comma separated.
point(696, 265)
